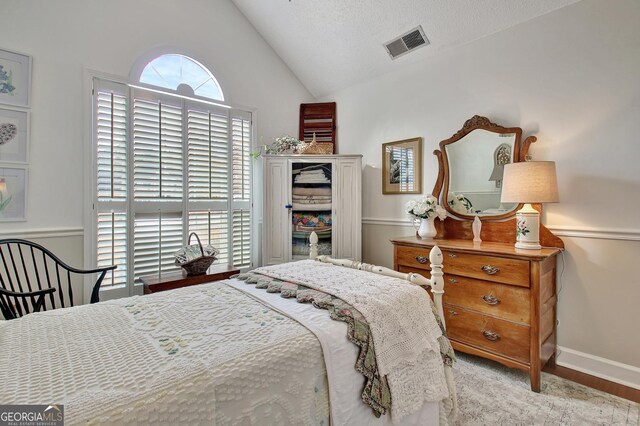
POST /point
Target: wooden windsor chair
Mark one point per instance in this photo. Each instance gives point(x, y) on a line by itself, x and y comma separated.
point(29, 273)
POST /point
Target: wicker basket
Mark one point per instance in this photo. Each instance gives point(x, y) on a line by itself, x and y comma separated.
point(319, 148)
point(186, 257)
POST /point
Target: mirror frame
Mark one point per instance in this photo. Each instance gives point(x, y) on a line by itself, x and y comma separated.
point(441, 188)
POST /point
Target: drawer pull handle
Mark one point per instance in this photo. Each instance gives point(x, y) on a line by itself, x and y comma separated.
point(490, 299)
point(491, 335)
point(453, 280)
point(422, 259)
point(453, 313)
point(490, 270)
point(452, 255)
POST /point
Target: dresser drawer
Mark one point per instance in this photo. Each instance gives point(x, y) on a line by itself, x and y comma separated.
point(500, 300)
point(498, 336)
point(497, 269)
point(413, 258)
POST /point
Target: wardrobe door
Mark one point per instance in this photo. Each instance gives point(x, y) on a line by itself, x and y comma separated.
point(347, 226)
point(276, 228)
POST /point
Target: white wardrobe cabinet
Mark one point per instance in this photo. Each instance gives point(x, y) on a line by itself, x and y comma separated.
point(305, 193)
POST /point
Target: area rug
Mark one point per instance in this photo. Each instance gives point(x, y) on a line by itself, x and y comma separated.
point(491, 394)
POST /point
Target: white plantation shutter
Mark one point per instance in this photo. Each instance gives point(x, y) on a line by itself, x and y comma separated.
point(112, 246)
point(208, 142)
point(156, 238)
point(157, 149)
point(213, 228)
point(111, 121)
point(111, 117)
point(241, 188)
point(241, 238)
point(241, 156)
point(166, 166)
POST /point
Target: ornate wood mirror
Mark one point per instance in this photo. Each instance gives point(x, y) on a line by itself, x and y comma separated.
point(471, 164)
point(475, 155)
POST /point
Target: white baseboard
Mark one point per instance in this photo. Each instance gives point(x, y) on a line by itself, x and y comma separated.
point(607, 369)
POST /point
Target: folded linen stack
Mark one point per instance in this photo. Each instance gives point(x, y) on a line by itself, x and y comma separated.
point(311, 176)
point(311, 198)
point(312, 220)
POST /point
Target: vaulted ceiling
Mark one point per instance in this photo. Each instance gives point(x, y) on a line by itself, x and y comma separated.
point(333, 44)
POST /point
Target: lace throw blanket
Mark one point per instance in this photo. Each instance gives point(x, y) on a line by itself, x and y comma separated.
point(402, 345)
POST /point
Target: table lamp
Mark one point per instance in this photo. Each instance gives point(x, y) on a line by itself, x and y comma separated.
point(529, 182)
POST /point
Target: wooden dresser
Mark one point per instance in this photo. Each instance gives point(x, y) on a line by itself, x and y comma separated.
point(499, 301)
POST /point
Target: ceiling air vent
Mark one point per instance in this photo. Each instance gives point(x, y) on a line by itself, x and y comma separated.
point(407, 42)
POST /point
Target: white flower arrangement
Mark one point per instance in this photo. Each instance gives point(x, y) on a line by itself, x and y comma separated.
point(282, 145)
point(425, 208)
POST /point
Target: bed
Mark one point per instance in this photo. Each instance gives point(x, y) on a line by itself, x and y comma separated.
point(234, 352)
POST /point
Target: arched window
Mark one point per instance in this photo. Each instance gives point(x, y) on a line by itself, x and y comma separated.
point(170, 158)
point(183, 75)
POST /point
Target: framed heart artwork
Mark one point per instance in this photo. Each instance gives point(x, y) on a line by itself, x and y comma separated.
point(14, 136)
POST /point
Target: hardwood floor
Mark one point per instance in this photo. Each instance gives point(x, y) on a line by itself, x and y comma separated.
point(595, 382)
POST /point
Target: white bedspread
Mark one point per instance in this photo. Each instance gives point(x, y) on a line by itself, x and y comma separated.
point(207, 354)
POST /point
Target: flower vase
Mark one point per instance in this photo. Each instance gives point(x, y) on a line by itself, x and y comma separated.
point(427, 228)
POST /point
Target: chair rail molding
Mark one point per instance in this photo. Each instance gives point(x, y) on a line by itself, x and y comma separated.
point(561, 231)
point(43, 233)
point(596, 232)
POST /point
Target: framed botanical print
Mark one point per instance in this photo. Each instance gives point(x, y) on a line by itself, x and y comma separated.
point(15, 78)
point(13, 194)
point(402, 167)
point(14, 136)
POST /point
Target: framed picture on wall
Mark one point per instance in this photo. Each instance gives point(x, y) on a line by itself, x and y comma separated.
point(13, 194)
point(402, 167)
point(15, 78)
point(14, 136)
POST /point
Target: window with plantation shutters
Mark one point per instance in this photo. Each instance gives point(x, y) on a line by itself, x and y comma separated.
point(166, 166)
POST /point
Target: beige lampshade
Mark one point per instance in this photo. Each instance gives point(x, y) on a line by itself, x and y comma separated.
point(530, 182)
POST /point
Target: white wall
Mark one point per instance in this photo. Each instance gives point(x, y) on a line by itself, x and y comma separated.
point(65, 37)
point(572, 78)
